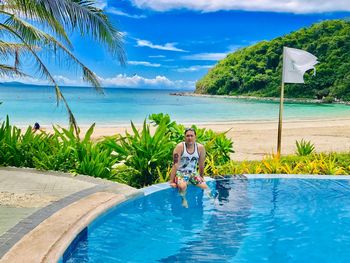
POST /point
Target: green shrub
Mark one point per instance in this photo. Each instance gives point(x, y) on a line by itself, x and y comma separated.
point(331, 164)
point(61, 151)
point(17, 149)
point(126, 175)
point(143, 151)
point(304, 148)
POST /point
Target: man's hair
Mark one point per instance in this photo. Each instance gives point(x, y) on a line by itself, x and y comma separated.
point(36, 126)
point(190, 129)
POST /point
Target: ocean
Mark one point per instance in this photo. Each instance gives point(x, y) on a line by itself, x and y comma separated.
point(26, 104)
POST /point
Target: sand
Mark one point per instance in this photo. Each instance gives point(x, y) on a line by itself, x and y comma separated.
point(253, 140)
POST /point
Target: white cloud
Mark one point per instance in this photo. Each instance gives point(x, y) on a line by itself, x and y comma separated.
point(292, 6)
point(167, 46)
point(115, 11)
point(123, 80)
point(194, 68)
point(233, 48)
point(157, 56)
point(62, 80)
point(100, 3)
point(212, 56)
point(137, 81)
point(205, 56)
point(120, 80)
point(143, 63)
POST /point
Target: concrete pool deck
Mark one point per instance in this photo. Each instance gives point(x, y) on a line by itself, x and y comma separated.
point(42, 212)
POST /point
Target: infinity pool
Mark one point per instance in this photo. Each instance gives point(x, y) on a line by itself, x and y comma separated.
point(254, 220)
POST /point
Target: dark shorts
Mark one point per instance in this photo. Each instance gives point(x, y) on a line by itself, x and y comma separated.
point(188, 178)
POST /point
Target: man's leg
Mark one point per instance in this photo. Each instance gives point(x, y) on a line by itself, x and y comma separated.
point(182, 186)
point(198, 181)
point(202, 185)
point(206, 189)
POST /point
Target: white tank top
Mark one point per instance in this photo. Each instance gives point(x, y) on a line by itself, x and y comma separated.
point(188, 162)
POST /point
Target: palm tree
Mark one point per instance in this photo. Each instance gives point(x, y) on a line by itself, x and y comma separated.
point(38, 26)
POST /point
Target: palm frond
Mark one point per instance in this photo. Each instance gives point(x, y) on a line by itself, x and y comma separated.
point(30, 34)
point(33, 36)
point(8, 49)
point(89, 20)
point(31, 10)
point(10, 71)
point(73, 15)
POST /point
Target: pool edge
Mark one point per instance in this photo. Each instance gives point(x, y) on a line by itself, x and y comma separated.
point(49, 240)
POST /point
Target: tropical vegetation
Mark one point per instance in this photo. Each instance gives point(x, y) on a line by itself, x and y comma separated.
point(34, 28)
point(144, 156)
point(256, 70)
point(304, 147)
point(140, 158)
point(320, 163)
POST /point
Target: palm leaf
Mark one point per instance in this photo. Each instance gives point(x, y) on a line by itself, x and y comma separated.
point(10, 70)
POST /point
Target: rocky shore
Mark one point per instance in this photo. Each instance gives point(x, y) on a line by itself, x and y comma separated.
point(296, 100)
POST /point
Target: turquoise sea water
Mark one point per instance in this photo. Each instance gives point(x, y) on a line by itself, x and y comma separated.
point(28, 104)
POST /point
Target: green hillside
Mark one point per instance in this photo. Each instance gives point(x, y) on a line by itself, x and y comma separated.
point(256, 70)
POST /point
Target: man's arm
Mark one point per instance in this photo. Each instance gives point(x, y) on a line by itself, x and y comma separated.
point(201, 161)
point(176, 161)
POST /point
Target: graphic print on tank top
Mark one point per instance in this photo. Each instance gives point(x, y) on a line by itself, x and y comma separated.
point(188, 162)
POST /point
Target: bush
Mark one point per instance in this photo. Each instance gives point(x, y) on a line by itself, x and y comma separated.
point(144, 152)
point(61, 151)
point(146, 157)
point(331, 164)
point(304, 148)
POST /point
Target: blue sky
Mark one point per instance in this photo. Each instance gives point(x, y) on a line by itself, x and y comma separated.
point(171, 44)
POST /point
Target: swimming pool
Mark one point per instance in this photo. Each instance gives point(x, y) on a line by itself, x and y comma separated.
point(254, 220)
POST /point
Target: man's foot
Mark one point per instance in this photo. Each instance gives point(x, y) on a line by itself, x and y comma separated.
point(182, 193)
point(184, 203)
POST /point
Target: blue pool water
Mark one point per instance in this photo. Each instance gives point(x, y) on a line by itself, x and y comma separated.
point(255, 220)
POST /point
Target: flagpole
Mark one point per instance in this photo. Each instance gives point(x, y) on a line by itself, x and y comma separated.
point(279, 136)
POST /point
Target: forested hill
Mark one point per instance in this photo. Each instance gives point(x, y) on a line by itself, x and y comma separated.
point(256, 70)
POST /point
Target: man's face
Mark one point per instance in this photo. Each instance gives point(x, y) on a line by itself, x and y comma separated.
point(190, 137)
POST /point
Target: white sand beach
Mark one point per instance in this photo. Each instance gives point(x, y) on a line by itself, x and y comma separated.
point(253, 140)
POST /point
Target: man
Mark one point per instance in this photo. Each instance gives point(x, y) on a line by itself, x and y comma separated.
point(186, 156)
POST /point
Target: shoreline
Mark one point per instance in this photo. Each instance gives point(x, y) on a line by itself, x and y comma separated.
point(201, 124)
point(245, 97)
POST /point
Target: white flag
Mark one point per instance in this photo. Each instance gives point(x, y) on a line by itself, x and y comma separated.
point(295, 63)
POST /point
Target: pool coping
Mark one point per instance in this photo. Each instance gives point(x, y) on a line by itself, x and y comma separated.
point(296, 176)
point(162, 186)
point(43, 236)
